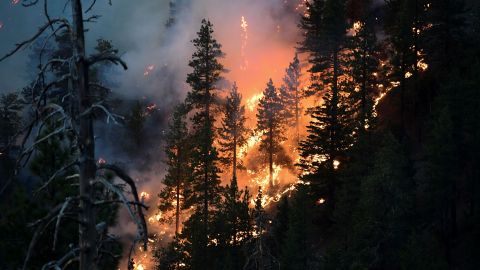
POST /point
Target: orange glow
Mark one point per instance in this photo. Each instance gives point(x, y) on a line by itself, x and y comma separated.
point(321, 201)
point(144, 195)
point(244, 36)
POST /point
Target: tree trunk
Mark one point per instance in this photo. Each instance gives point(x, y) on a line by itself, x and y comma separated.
point(177, 213)
point(297, 116)
point(234, 174)
point(87, 230)
point(334, 105)
point(270, 157)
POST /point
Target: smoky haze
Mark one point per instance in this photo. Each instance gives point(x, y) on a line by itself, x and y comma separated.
point(256, 49)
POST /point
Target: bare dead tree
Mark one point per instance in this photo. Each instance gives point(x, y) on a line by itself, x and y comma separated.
point(78, 124)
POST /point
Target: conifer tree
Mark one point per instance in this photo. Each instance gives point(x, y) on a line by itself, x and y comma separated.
point(405, 27)
point(176, 181)
point(385, 209)
point(280, 225)
point(270, 124)
point(291, 94)
point(201, 99)
point(233, 133)
point(259, 256)
point(10, 119)
point(233, 226)
point(329, 133)
point(297, 246)
point(364, 67)
point(135, 123)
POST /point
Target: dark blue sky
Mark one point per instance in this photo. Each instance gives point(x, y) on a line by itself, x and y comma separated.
point(120, 23)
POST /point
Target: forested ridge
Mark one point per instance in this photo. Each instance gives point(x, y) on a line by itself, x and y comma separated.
point(387, 167)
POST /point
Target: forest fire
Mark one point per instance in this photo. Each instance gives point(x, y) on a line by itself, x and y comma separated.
point(254, 135)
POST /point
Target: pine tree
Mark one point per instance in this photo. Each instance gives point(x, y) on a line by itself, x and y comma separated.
point(233, 133)
point(365, 69)
point(205, 177)
point(329, 133)
point(281, 225)
point(259, 256)
point(177, 152)
point(291, 94)
point(385, 211)
point(270, 124)
point(10, 119)
point(297, 246)
point(405, 26)
point(233, 226)
point(135, 124)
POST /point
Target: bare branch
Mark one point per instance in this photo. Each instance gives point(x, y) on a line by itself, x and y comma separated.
point(105, 110)
point(127, 179)
point(119, 192)
point(57, 265)
point(56, 174)
point(119, 201)
point(92, 18)
point(59, 218)
point(99, 86)
point(97, 58)
point(91, 6)
point(38, 232)
point(33, 38)
point(29, 4)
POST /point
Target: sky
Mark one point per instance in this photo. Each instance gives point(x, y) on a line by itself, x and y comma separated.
point(122, 23)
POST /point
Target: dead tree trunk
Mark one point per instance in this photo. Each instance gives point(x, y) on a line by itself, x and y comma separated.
point(86, 142)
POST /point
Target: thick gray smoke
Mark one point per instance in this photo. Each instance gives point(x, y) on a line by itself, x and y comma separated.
point(158, 64)
point(158, 57)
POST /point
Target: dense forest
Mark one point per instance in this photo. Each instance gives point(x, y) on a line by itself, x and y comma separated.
point(377, 117)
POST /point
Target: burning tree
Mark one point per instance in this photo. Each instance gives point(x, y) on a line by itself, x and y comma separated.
point(270, 123)
point(329, 133)
point(365, 69)
point(72, 110)
point(233, 133)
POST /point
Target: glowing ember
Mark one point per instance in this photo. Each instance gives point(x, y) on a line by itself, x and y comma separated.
point(151, 107)
point(336, 163)
point(140, 267)
point(377, 100)
point(357, 26)
point(101, 161)
point(422, 65)
point(144, 195)
point(321, 201)
point(148, 70)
